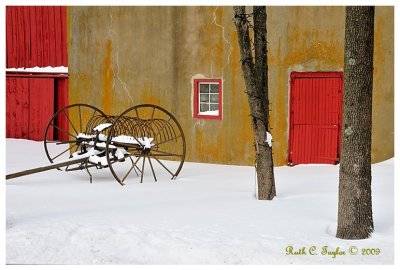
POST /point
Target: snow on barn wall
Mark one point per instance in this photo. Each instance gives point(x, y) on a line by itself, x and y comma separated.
point(123, 56)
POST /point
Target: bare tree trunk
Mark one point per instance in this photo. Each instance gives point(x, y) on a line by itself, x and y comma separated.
point(256, 78)
point(355, 202)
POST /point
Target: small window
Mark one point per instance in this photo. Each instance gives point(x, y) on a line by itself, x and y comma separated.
point(207, 99)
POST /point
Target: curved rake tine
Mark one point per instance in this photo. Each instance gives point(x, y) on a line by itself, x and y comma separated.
point(161, 134)
point(170, 130)
point(165, 123)
point(164, 130)
point(90, 119)
point(152, 119)
point(94, 121)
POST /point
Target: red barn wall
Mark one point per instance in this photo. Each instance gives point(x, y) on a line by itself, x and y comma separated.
point(35, 37)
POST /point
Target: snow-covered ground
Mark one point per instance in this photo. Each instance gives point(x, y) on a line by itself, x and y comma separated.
point(207, 216)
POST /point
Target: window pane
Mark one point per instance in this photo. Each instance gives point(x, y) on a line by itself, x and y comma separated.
point(214, 88)
point(204, 107)
point(214, 107)
point(214, 98)
point(204, 97)
point(204, 88)
point(208, 93)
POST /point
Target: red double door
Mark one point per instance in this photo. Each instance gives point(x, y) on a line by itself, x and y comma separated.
point(30, 104)
point(315, 117)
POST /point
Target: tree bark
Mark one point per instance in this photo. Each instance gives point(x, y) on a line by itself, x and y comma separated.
point(355, 201)
point(256, 79)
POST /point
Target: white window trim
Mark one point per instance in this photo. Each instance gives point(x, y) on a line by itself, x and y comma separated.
point(209, 112)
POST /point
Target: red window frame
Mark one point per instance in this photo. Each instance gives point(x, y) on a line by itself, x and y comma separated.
point(196, 113)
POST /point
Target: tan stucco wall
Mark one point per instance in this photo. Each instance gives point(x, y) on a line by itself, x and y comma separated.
point(383, 95)
point(123, 56)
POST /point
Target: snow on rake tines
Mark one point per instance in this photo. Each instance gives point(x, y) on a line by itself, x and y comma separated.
point(146, 142)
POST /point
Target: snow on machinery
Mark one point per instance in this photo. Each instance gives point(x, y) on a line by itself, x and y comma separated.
point(85, 137)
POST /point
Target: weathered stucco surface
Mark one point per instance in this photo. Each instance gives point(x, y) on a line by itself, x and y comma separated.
point(123, 56)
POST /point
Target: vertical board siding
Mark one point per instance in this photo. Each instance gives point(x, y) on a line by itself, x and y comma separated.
point(61, 100)
point(9, 49)
point(57, 43)
point(27, 36)
point(41, 107)
point(315, 117)
point(30, 106)
point(64, 55)
point(36, 36)
point(33, 28)
point(52, 37)
point(39, 35)
point(20, 46)
point(17, 108)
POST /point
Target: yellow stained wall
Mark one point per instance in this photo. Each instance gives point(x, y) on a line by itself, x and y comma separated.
point(123, 56)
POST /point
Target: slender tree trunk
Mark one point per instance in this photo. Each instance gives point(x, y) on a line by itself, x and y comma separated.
point(256, 78)
point(355, 202)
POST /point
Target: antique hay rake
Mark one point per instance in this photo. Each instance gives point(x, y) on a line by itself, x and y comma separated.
point(85, 137)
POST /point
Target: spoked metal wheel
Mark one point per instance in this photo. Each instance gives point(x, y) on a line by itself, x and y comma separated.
point(70, 130)
point(151, 138)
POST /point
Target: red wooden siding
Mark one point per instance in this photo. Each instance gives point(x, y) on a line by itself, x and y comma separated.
point(36, 36)
point(17, 108)
point(29, 107)
point(41, 106)
point(315, 117)
point(61, 100)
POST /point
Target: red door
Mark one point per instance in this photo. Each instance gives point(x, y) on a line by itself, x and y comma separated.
point(315, 117)
point(30, 104)
point(17, 108)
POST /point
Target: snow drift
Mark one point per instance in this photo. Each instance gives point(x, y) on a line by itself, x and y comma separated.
point(207, 216)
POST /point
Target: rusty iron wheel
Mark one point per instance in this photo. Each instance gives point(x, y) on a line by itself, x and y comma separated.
point(164, 150)
point(66, 130)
